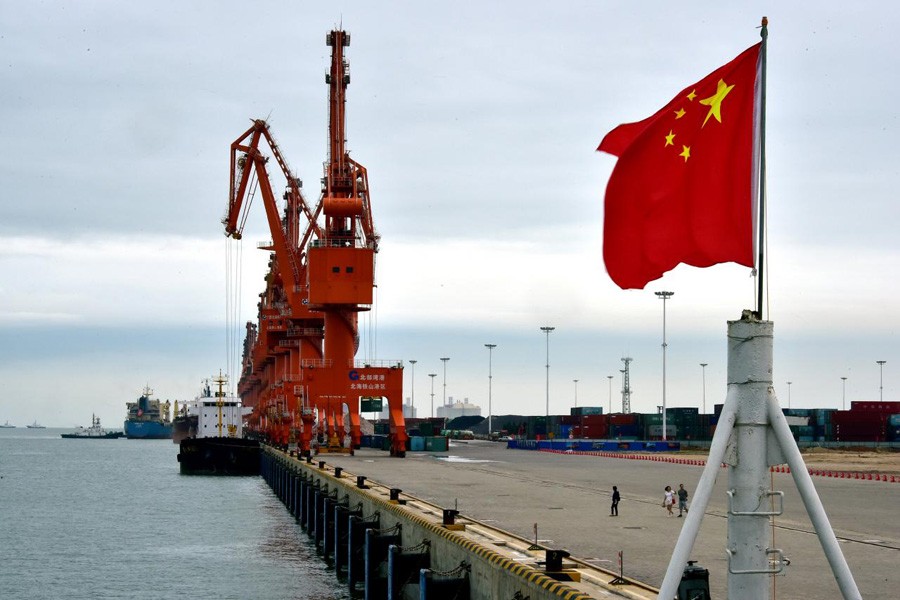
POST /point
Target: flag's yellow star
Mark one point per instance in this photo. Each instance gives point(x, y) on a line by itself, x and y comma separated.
point(714, 102)
point(692, 95)
point(669, 139)
point(679, 113)
point(686, 152)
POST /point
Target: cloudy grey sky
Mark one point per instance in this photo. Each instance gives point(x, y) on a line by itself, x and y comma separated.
point(477, 122)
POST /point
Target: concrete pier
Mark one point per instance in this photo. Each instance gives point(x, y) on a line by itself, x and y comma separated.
point(488, 561)
point(568, 497)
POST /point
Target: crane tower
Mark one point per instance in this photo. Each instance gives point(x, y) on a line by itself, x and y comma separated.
point(626, 386)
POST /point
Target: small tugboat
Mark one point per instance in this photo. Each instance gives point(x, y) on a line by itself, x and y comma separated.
point(7, 425)
point(35, 425)
point(94, 432)
point(217, 446)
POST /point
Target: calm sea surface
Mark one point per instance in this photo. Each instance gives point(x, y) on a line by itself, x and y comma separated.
point(115, 519)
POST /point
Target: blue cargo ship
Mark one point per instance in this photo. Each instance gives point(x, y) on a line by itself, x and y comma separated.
point(148, 419)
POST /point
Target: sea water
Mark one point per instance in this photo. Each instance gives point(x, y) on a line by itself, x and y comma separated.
point(116, 519)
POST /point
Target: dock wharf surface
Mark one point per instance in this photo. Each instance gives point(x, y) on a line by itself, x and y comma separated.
point(568, 497)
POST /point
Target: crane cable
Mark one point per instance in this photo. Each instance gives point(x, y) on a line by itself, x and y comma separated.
point(233, 279)
point(233, 272)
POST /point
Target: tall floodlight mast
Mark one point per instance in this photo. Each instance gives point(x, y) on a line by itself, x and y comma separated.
point(626, 386)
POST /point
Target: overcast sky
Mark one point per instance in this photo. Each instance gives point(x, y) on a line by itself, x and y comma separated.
point(478, 123)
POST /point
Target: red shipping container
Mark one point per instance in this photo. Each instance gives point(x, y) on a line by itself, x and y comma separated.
point(622, 419)
point(867, 405)
point(591, 420)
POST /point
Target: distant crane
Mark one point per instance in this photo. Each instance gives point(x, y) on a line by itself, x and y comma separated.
point(626, 386)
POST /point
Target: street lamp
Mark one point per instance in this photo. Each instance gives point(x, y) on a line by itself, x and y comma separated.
point(881, 380)
point(664, 296)
point(490, 348)
point(610, 377)
point(703, 365)
point(413, 400)
point(547, 330)
point(843, 393)
point(432, 375)
point(576, 392)
point(444, 360)
point(789, 393)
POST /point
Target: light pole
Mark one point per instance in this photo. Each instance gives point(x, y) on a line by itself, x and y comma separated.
point(703, 366)
point(576, 392)
point(490, 348)
point(843, 393)
point(881, 380)
point(547, 330)
point(413, 385)
point(610, 377)
point(665, 296)
point(432, 375)
point(444, 360)
point(789, 393)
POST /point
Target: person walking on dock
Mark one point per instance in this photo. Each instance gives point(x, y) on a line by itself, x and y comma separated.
point(669, 501)
point(682, 499)
point(614, 509)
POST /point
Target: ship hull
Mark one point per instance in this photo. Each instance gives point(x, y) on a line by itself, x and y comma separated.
point(183, 427)
point(219, 456)
point(147, 430)
point(110, 435)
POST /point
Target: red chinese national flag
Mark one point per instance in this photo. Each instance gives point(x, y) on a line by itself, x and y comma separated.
point(683, 189)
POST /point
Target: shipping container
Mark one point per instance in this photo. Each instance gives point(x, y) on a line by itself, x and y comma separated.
point(579, 411)
point(623, 419)
point(653, 419)
point(624, 431)
point(654, 432)
point(436, 444)
point(417, 444)
point(865, 405)
point(593, 420)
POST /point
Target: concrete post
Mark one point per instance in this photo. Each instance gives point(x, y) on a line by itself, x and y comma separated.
point(749, 377)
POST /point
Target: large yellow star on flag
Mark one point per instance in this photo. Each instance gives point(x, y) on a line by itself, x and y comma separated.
point(714, 102)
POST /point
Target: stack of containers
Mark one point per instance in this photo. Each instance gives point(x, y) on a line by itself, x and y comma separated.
point(864, 422)
point(624, 426)
point(822, 421)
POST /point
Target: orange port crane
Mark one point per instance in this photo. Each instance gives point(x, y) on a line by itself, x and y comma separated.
point(289, 332)
point(301, 359)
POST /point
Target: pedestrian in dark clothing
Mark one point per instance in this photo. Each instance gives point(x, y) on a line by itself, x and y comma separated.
point(614, 509)
point(682, 499)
